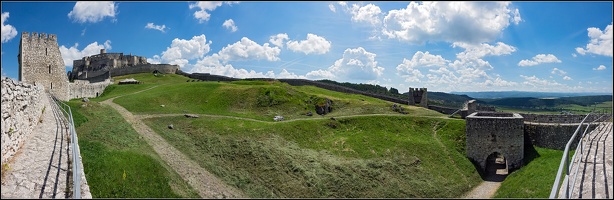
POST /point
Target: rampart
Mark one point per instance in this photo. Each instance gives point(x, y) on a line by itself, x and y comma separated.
point(144, 68)
point(495, 132)
point(40, 63)
point(22, 107)
point(83, 88)
point(554, 131)
point(442, 109)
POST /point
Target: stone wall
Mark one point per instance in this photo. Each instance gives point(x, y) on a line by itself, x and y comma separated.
point(442, 109)
point(489, 132)
point(554, 136)
point(40, 63)
point(418, 96)
point(22, 107)
point(83, 88)
point(539, 118)
point(146, 68)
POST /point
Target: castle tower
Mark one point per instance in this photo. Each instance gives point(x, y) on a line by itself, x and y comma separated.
point(418, 96)
point(40, 63)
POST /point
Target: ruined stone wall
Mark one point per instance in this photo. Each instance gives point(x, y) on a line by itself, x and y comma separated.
point(22, 107)
point(553, 135)
point(40, 63)
point(83, 88)
point(146, 68)
point(442, 109)
point(489, 132)
point(539, 118)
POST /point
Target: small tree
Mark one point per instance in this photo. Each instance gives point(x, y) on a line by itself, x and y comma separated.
point(394, 90)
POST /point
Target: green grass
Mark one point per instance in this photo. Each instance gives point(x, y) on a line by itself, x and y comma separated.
point(257, 100)
point(371, 157)
point(110, 147)
point(535, 179)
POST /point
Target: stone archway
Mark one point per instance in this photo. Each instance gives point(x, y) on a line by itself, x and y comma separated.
point(496, 168)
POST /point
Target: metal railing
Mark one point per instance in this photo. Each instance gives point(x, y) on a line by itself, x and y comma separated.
point(76, 156)
point(566, 165)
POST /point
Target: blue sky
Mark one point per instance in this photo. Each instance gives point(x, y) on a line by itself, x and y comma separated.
point(443, 46)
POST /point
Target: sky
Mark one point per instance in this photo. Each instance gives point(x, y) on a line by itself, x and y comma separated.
point(443, 46)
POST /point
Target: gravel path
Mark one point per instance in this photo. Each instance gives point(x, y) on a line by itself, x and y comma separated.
point(206, 184)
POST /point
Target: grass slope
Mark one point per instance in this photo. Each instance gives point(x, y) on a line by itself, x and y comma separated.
point(535, 179)
point(376, 156)
point(117, 162)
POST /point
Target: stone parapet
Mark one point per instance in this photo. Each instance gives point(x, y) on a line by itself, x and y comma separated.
point(22, 108)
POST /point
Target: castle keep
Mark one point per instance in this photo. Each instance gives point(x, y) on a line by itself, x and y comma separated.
point(96, 65)
point(40, 63)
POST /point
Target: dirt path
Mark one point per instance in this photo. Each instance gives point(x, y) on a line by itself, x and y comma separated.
point(206, 184)
point(485, 190)
point(147, 116)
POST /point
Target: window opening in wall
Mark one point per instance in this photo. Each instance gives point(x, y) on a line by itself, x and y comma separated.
point(50, 69)
point(45, 51)
point(51, 85)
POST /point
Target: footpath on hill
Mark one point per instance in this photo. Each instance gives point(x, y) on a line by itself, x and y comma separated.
point(206, 184)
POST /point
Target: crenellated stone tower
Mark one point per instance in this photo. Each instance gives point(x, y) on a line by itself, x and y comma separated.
point(417, 96)
point(40, 63)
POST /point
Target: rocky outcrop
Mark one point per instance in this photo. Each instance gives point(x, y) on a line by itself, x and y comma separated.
point(325, 107)
point(22, 108)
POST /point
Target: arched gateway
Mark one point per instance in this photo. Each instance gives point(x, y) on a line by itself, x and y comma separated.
point(495, 133)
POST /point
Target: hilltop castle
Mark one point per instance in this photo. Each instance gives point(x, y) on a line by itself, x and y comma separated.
point(40, 63)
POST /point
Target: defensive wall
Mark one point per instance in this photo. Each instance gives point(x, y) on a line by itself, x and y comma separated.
point(488, 133)
point(554, 131)
point(144, 68)
point(83, 88)
point(22, 107)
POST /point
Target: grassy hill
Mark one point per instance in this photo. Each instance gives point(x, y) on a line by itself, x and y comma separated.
point(367, 150)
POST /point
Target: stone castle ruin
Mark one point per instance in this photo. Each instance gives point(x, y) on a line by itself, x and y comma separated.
point(418, 96)
point(41, 64)
point(102, 66)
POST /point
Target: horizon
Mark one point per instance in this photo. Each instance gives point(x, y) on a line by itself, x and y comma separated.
point(557, 47)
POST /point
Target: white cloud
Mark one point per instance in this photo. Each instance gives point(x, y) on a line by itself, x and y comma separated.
point(538, 83)
point(247, 49)
point(320, 74)
point(73, 53)
point(278, 40)
point(314, 44)
point(567, 78)
point(205, 7)
point(423, 59)
point(558, 72)
point(539, 58)
point(600, 43)
point(470, 22)
point(369, 13)
point(182, 50)
point(285, 74)
point(8, 31)
point(332, 7)
point(230, 24)
point(92, 11)
point(155, 60)
point(356, 64)
point(601, 67)
point(156, 27)
point(574, 55)
point(498, 82)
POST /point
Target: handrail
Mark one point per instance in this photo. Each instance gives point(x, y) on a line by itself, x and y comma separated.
point(565, 165)
point(76, 160)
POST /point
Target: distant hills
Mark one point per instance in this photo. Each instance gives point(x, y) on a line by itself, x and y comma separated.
point(507, 94)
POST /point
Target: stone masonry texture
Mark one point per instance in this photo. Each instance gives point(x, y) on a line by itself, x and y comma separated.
point(490, 132)
point(40, 63)
point(21, 110)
